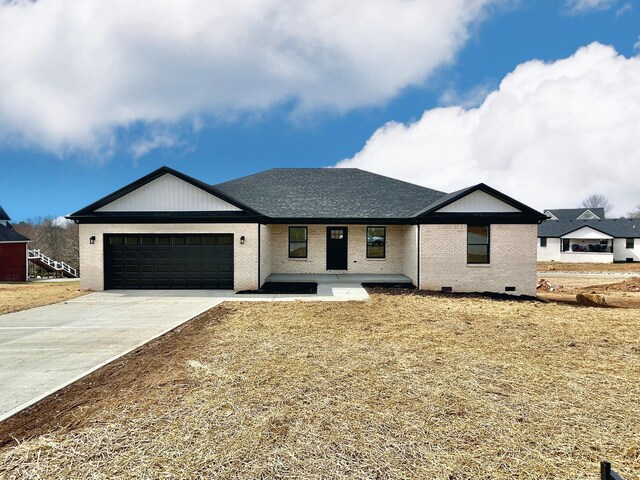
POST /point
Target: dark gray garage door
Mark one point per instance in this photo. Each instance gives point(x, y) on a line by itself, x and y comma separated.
point(168, 261)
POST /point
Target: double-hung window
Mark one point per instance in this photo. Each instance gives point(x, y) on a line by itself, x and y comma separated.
point(298, 242)
point(543, 241)
point(630, 242)
point(376, 242)
point(478, 244)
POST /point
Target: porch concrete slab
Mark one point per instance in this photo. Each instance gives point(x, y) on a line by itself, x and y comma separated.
point(354, 278)
point(46, 348)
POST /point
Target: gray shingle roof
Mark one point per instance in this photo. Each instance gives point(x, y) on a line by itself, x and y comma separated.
point(3, 214)
point(615, 227)
point(8, 234)
point(574, 213)
point(328, 193)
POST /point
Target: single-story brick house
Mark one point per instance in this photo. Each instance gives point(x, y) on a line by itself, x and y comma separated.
point(585, 235)
point(169, 230)
point(14, 252)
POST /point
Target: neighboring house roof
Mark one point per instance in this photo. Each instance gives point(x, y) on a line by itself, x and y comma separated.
point(615, 227)
point(328, 193)
point(8, 234)
point(574, 213)
point(3, 214)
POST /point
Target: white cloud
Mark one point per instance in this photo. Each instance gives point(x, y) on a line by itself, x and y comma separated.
point(552, 134)
point(152, 141)
point(73, 71)
point(584, 6)
point(61, 222)
point(626, 8)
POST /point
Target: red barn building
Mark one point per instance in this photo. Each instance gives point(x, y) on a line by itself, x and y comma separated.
point(14, 252)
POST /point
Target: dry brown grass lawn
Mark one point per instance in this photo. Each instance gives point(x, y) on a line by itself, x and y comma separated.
point(21, 296)
point(588, 267)
point(404, 386)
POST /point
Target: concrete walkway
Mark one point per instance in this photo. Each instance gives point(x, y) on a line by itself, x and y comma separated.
point(44, 349)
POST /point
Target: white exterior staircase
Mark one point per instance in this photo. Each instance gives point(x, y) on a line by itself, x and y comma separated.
point(47, 263)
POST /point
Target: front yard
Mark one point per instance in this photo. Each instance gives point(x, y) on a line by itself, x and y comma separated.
point(407, 385)
point(21, 296)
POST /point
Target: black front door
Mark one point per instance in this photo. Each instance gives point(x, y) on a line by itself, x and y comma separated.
point(336, 248)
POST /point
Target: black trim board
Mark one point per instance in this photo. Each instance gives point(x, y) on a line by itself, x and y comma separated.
point(90, 209)
point(475, 218)
point(524, 209)
point(216, 217)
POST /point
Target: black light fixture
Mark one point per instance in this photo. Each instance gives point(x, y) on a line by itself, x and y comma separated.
point(242, 240)
point(92, 239)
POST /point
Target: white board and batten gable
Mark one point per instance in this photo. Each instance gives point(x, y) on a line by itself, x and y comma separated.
point(169, 194)
point(478, 202)
point(587, 233)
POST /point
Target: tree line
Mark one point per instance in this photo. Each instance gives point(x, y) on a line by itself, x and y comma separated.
point(55, 237)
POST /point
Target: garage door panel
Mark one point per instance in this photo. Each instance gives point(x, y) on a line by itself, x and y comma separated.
point(169, 261)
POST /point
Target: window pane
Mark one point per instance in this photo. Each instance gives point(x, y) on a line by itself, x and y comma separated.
point(162, 240)
point(298, 234)
point(225, 240)
point(478, 254)
point(337, 234)
point(194, 240)
point(147, 241)
point(376, 239)
point(630, 242)
point(115, 240)
point(478, 235)
point(543, 241)
point(297, 250)
point(209, 241)
point(179, 240)
point(131, 240)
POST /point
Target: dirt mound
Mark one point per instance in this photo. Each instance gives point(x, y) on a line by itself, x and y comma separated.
point(629, 285)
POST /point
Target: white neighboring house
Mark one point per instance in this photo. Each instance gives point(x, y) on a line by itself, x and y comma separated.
point(583, 235)
point(169, 230)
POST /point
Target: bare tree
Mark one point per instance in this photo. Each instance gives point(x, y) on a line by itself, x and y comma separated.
point(55, 237)
point(634, 213)
point(597, 200)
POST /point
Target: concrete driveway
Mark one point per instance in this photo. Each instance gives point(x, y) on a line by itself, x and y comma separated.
point(46, 348)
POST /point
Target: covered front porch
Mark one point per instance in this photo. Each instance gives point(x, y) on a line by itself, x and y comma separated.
point(586, 245)
point(338, 254)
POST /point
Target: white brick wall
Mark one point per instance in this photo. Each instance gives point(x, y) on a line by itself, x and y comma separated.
point(443, 254)
point(265, 252)
point(397, 249)
point(410, 252)
point(245, 257)
point(443, 260)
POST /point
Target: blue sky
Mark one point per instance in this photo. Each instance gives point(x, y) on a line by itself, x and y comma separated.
point(62, 174)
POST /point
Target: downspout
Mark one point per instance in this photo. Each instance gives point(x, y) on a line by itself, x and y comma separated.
point(418, 279)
